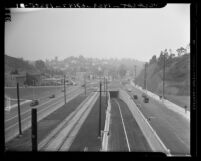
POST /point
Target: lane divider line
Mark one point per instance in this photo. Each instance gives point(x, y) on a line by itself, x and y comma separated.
point(123, 125)
point(37, 107)
point(26, 126)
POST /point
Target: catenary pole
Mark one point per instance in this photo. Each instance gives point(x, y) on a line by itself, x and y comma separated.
point(18, 105)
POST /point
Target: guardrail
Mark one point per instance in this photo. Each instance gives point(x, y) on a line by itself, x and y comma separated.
point(151, 136)
point(106, 128)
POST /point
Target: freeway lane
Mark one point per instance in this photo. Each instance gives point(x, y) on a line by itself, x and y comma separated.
point(12, 116)
point(11, 125)
point(42, 99)
point(173, 129)
point(125, 134)
point(46, 125)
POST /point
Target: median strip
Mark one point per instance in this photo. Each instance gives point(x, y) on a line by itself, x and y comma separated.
point(55, 140)
point(106, 128)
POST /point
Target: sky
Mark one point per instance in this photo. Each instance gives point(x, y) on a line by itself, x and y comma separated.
point(97, 32)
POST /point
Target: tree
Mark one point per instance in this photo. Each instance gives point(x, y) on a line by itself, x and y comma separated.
point(14, 72)
point(181, 51)
point(40, 65)
point(153, 60)
point(122, 70)
point(160, 59)
point(30, 79)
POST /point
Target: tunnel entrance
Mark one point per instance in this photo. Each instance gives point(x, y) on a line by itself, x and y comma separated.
point(114, 94)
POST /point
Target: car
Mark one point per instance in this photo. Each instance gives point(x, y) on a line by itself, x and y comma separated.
point(129, 90)
point(135, 96)
point(34, 103)
point(146, 100)
point(52, 96)
point(144, 95)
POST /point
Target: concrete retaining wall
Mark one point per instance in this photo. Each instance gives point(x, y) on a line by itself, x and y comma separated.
point(106, 128)
point(152, 138)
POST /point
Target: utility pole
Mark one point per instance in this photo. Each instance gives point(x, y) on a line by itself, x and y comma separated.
point(85, 84)
point(105, 85)
point(19, 115)
point(106, 91)
point(135, 74)
point(34, 129)
point(145, 77)
point(164, 75)
point(33, 90)
point(65, 89)
point(99, 134)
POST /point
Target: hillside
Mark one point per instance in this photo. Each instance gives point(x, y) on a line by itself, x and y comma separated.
point(11, 64)
point(177, 77)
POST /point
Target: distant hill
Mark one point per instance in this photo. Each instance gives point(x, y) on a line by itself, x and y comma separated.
point(12, 63)
point(71, 65)
point(177, 76)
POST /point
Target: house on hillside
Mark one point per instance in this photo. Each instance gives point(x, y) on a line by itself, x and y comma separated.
point(21, 79)
point(80, 76)
point(12, 79)
point(33, 79)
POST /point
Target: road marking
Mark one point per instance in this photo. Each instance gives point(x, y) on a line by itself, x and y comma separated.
point(85, 149)
point(123, 126)
point(29, 110)
point(58, 101)
point(30, 116)
point(51, 100)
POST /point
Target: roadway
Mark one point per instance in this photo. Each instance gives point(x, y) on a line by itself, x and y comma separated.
point(172, 128)
point(45, 107)
point(124, 133)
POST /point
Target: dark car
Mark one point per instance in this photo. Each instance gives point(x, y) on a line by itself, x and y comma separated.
point(34, 103)
point(146, 99)
point(135, 96)
point(52, 96)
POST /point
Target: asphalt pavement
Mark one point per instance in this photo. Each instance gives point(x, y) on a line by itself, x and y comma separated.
point(125, 134)
point(172, 128)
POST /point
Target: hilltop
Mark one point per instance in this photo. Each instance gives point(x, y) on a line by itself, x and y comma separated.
point(12, 64)
point(71, 65)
